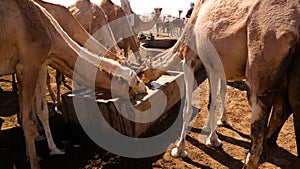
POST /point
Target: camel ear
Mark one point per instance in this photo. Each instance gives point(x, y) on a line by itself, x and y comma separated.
point(157, 9)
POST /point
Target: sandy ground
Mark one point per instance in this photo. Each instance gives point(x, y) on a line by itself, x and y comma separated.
point(83, 153)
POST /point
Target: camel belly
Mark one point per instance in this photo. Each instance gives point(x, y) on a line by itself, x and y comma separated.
point(233, 54)
point(225, 26)
point(8, 60)
point(9, 26)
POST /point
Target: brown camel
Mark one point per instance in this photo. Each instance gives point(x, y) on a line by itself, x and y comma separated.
point(93, 20)
point(256, 41)
point(294, 97)
point(137, 24)
point(73, 28)
point(78, 33)
point(121, 28)
point(31, 40)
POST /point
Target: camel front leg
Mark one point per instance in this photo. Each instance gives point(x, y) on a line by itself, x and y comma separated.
point(27, 78)
point(179, 151)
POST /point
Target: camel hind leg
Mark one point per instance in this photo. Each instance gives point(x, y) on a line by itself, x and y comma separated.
point(264, 82)
point(281, 111)
point(294, 97)
point(42, 109)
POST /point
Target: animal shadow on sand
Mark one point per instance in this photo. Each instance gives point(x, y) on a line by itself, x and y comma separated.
point(274, 154)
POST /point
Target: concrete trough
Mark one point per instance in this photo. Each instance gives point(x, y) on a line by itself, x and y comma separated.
point(163, 93)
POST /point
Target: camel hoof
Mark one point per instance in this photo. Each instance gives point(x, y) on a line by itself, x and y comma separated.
point(176, 153)
point(213, 143)
point(57, 151)
point(222, 123)
point(251, 162)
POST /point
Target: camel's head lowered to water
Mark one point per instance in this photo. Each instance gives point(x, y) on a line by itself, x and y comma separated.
point(127, 84)
point(160, 64)
point(136, 85)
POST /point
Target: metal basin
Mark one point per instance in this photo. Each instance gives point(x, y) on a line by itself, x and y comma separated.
point(154, 47)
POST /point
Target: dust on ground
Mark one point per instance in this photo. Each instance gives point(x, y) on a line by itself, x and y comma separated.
point(81, 152)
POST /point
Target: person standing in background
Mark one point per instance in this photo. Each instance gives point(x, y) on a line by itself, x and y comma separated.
point(189, 12)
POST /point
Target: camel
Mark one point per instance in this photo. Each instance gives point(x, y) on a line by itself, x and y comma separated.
point(256, 41)
point(121, 28)
point(82, 37)
point(31, 40)
point(92, 19)
point(172, 26)
point(137, 24)
point(78, 33)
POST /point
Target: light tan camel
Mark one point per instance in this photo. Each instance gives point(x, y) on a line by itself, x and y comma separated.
point(73, 28)
point(121, 28)
point(31, 40)
point(137, 24)
point(93, 20)
point(255, 40)
point(78, 33)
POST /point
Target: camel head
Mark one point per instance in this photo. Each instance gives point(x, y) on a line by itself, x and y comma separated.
point(162, 62)
point(157, 12)
point(150, 74)
point(136, 85)
point(128, 81)
point(155, 67)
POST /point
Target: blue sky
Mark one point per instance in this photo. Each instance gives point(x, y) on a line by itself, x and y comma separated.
point(144, 6)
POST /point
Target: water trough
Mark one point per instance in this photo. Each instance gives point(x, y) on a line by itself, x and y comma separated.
point(170, 85)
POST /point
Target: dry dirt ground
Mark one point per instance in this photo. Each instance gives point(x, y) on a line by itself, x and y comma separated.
point(83, 153)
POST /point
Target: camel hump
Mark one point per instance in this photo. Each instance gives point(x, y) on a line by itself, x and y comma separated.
point(225, 17)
